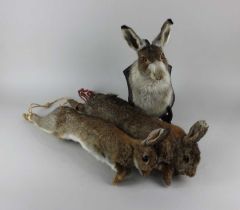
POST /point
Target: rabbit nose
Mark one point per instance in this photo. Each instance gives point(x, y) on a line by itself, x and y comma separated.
point(191, 173)
point(158, 77)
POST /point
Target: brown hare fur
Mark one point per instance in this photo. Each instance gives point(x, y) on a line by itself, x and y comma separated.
point(178, 153)
point(102, 139)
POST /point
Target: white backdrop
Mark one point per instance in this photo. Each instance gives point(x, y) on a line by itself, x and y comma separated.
point(50, 49)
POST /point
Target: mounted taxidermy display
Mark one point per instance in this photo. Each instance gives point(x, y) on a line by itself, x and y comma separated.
point(149, 77)
point(127, 135)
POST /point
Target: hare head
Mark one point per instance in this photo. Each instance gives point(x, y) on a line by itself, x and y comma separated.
point(145, 157)
point(187, 155)
point(152, 62)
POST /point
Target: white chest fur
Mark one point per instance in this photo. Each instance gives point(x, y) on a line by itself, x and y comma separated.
point(89, 149)
point(153, 96)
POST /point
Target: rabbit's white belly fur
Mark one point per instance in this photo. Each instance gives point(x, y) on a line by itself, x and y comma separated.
point(89, 149)
point(152, 96)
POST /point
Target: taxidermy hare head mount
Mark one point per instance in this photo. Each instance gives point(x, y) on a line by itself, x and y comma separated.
point(151, 58)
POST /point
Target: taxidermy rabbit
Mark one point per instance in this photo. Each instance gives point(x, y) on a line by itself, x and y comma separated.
point(178, 153)
point(101, 139)
point(149, 78)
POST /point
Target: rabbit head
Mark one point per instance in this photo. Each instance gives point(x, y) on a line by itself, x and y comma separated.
point(152, 62)
point(187, 155)
point(145, 157)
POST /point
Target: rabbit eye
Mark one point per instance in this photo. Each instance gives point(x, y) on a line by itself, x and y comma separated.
point(145, 158)
point(143, 59)
point(186, 159)
point(162, 56)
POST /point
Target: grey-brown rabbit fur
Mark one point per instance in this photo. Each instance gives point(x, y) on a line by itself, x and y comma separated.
point(102, 139)
point(178, 153)
point(149, 77)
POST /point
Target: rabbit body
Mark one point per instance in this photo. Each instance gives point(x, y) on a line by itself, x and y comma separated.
point(133, 120)
point(149, 77)
point(178, 153)
point(102, 139)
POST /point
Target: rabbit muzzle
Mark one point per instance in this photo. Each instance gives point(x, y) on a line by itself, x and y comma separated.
point(191, 172)
point(158, 71)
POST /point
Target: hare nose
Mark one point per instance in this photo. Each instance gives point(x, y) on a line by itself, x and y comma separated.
point(191, 173)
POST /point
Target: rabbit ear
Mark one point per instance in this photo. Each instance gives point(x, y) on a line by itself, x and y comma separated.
point(196, 132)
point(156, 136)
point(163, 36)
point(133, 40)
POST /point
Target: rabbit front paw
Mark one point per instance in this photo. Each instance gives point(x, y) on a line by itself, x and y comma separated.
point(120, 176)
point(167, 174)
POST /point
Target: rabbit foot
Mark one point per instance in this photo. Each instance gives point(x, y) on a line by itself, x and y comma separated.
point(117, 179)
point(85, 94)
point(167, 174)
point(120, 176)
point(27, 116)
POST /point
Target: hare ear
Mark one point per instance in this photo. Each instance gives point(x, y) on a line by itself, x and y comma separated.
point(155, 136)
point(164, 34)
point(133, 40)
point(196, 132)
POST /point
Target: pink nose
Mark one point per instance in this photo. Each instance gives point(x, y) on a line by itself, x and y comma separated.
point(160, 77)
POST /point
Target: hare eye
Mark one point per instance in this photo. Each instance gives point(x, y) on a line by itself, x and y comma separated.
point(143, 59)
point(186, 159)
point(162, 56)
point(145, 158)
